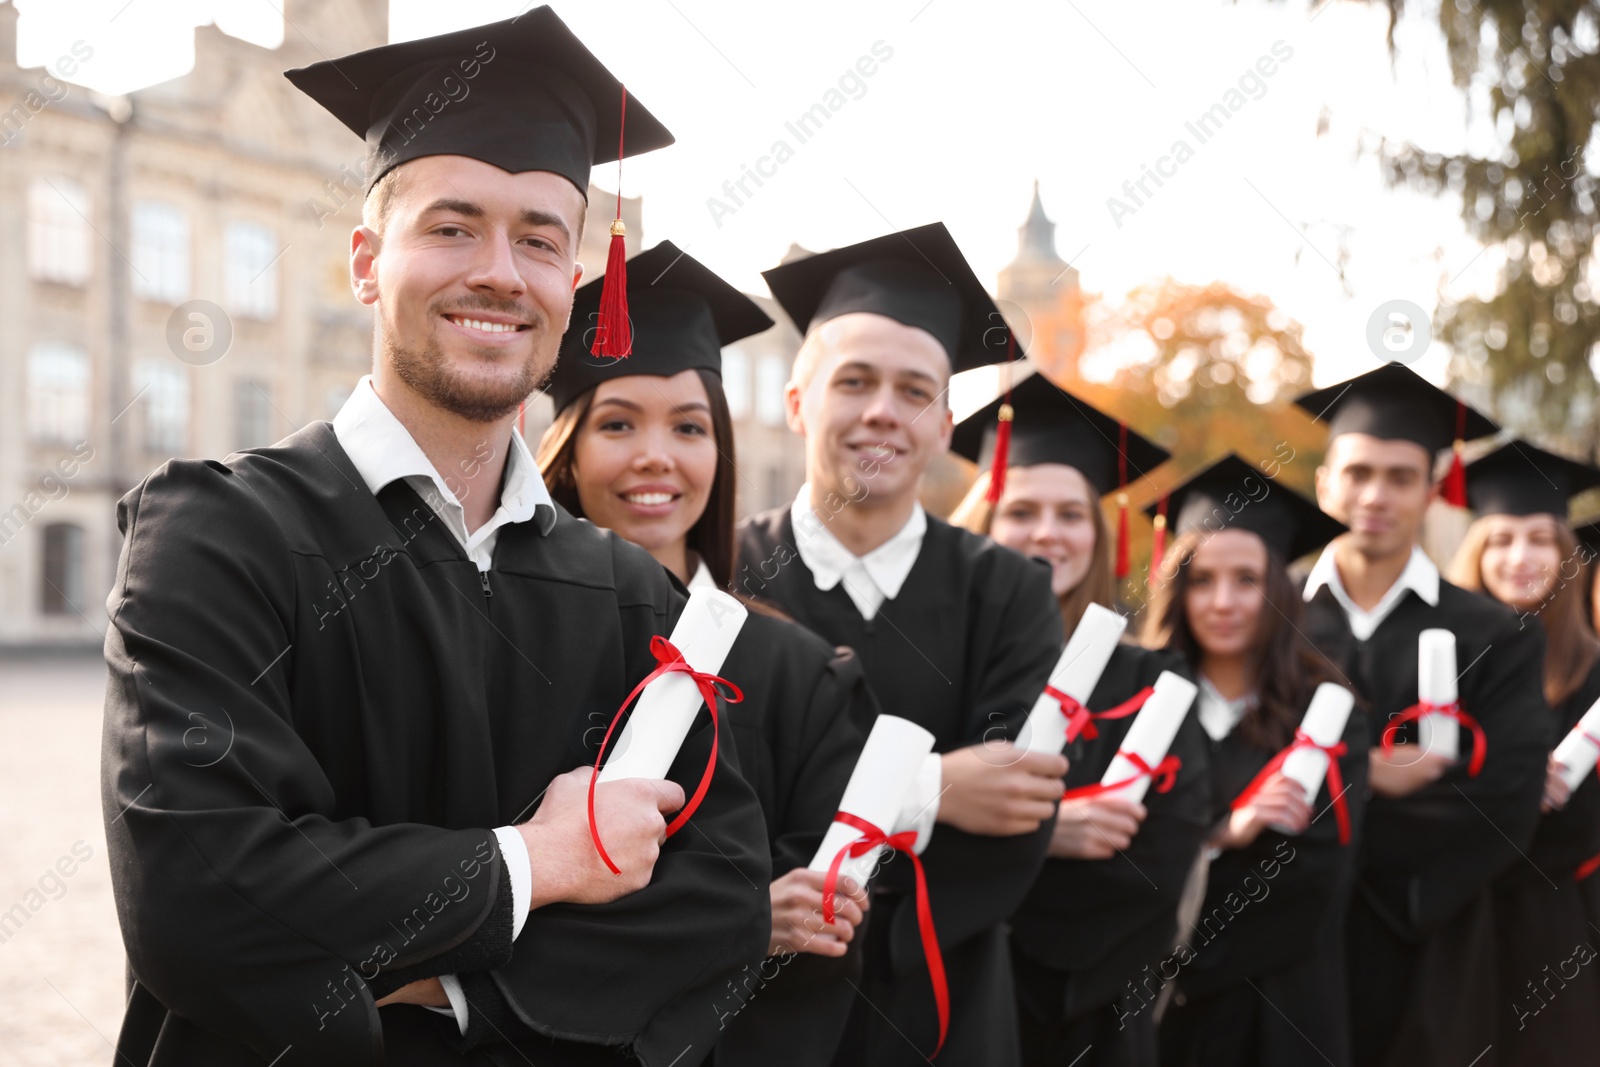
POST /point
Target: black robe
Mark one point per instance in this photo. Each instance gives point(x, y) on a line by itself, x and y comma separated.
point(317, 710)
point(1419, 937)
point(1083, 938)
point(964, 651)
point(798, 732)
point(1262, 983)
point(1541, 919)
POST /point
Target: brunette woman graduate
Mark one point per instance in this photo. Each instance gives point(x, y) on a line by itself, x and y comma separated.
point(1523, 553)
point(1260, 976)
point(644, 446)
point(1104, 908)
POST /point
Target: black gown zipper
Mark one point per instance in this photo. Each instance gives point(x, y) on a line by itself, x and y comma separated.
point(483, 576)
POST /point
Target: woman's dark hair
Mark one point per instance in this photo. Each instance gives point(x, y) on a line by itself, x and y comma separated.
point(1288, 666)
point(711, 537)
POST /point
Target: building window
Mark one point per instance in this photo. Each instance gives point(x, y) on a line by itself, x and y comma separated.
point(163, 389)
point(58, 393)
point(252, 413)
point(251, 274)
point(160, 252)
point(58, 231)
point(736, 382)
point(61, 589)
point(772, 374)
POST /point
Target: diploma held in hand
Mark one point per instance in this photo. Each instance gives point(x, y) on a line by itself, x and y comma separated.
point(1075, 676)
point(1150, 736)
point(885, 772)
point(1436, 685)
point(1579, 749)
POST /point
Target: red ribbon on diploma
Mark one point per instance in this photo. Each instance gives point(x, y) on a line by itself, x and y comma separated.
point(1588, 867)
point(668, 661)
point(1480, 743)
point(1163, 774)
point(901, 842)
point(1334, 779)
point(1080, 720)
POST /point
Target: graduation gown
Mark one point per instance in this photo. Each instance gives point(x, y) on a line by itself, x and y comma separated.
point(1541, 920)
point(1082, 939)
point(1262, 983)
point(1419, 936)
point(317, 710)
point(798, 734)
point(964, 651)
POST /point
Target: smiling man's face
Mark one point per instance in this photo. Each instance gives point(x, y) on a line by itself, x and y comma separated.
point(472, 275)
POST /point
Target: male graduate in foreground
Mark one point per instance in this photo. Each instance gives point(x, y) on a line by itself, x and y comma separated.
point(1422, 976)
point(955, 632)
point(354, 676)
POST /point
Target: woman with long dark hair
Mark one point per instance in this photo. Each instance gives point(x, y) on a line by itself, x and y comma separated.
point(1104, 907)
point(1259, 977)
point(1522, 552)
point(643, 446)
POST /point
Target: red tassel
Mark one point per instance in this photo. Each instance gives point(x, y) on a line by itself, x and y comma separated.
point(1002, 455)
point(1158, 540)
point(613, 335)
point(1455, 482)
point(1122, 535)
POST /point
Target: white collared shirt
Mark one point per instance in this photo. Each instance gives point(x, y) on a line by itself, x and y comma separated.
point(1420, 576)
point(1218, 714)
point(383, 451)
point(870, 579)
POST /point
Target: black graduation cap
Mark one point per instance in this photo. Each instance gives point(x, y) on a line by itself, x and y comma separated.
point(917, 277)
point(683, 315)
point(1232, 494)
point(1521, 479)
point(1396, 404)
point(1050, 425)
point(522, 94)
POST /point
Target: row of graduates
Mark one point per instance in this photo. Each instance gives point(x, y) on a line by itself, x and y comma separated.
point(1354, 925)
point(302, 895)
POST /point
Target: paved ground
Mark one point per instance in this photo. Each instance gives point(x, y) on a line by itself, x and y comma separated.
point(61, 968)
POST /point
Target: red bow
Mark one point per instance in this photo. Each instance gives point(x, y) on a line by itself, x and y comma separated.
point(1452, 710)
point(669, 660)
point(1080, 720)
point(901, 842)
point(1334, 779)
point(1163, 774)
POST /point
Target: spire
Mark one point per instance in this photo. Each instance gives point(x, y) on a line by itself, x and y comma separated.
point(1036, 237)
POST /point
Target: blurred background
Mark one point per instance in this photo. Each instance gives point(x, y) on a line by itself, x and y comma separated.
point(1191, 211)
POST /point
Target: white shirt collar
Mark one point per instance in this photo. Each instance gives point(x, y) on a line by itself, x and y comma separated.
point(383, 451)
point(1420, 576)
point(701, 578)
point(1218, 714)
point(870, 579)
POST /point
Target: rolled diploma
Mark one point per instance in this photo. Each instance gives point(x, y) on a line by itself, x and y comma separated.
point(1577, 753)
point(1151, 734)
point(883, 776)
point(1324, 721)
point(1436, 684)
point(1076, 674)
point(666, 709)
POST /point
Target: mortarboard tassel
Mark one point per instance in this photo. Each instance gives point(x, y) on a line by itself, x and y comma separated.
point(1158, 540)
point(613, 335)
point(1002, 433)
point(1123, 568)
point(1455, 481)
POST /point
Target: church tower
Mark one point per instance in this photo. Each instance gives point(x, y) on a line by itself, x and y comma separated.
point(1041, 285)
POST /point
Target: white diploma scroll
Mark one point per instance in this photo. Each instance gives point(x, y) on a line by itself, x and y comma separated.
point(667, 708)
point(1436, 684)
point(1076, 673)
point(1151, 733)
point(885, 773)
point(1577, 753)
point(1324, 723)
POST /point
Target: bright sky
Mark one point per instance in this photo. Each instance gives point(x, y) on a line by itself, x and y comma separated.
point(967, 111)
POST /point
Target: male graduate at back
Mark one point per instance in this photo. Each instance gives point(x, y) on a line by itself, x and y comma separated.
point(1422, 980)
point(355, 676)
point(956, 633)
